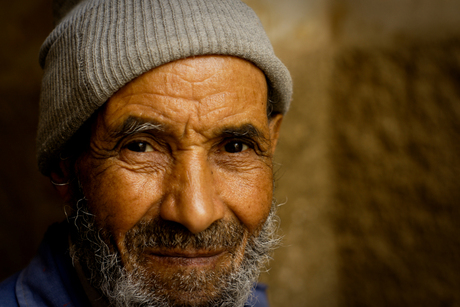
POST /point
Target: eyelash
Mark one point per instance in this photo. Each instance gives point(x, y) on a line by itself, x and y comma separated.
point(249, 143)
point(131, 140)
point(244, 141)
point(144, 144)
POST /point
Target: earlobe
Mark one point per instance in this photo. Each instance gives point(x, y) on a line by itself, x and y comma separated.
point(275, 126)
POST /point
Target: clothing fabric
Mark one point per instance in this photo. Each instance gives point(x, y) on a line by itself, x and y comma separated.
point(99, 46)
point(50, 280)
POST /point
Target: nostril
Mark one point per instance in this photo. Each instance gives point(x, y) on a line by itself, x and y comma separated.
point(191, 201)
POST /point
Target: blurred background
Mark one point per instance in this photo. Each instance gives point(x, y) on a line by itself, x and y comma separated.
point(368, 163)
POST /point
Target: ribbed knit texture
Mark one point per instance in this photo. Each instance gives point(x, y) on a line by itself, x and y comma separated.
point(101, 45)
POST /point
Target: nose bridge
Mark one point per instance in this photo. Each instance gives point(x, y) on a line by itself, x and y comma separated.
point(191, 201)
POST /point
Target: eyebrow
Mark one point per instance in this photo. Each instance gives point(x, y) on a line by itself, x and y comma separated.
point(245, 131)
point(134, 125)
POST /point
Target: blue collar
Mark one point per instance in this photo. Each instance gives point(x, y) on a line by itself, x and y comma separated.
point(50, 280)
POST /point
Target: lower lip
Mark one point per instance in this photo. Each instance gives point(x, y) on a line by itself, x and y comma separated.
point(186, 261)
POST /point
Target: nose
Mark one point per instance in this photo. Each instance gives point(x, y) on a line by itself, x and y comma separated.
point(192, 199)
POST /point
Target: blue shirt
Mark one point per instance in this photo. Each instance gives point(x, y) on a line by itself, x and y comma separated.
point(50, 280)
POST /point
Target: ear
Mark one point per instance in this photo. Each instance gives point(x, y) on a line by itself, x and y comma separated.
point(274, 126)
point(60, 178)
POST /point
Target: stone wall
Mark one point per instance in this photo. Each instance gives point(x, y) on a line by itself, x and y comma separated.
point(27, 201)
point(368, 162)
point(369, 153)
point(395, 154)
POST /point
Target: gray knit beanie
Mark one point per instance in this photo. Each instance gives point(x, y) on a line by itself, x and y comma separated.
point(98, 46)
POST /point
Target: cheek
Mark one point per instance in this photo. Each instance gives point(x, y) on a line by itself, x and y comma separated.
point(247, 195)
point(120, 198)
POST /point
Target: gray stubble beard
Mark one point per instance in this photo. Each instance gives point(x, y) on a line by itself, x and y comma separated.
point(94, 250)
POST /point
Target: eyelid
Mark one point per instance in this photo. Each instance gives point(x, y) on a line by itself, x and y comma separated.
point(135, 142)
point(250, 143)
point(261, 149)
point(144, 137)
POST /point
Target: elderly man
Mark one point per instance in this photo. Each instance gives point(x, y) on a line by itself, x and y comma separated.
point(158, 124)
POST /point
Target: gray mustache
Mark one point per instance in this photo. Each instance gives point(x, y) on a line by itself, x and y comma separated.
point(159, 233)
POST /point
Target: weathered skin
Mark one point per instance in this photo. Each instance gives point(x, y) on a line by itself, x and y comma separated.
point(183, 172)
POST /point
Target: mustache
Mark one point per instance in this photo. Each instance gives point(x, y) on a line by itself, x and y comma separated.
point(163, 234)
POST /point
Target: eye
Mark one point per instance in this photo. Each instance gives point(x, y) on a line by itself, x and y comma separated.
point(235, 146)
point(140, 147)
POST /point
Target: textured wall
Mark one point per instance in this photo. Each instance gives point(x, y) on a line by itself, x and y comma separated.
point(395, 146)
point(368, 158)
point(369, 153)
point(28, 204)
point(394, 120)
point(395, 156)
point(304, 270)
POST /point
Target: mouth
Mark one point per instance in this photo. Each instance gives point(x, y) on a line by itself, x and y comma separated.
point(186, 258)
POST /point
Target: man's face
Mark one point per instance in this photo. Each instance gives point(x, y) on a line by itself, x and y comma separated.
point(185, 145)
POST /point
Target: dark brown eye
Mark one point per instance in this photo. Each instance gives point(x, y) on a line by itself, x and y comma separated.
point(235, 147)
point(140, 147)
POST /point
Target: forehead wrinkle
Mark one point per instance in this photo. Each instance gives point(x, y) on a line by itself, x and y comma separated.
point(173, 122)
point(143, 96)
point(208, 121)
point(186, 131)
point(194, 67)
point(193, 77)
point(202, 83)
point(220, 88)
point(192, 85)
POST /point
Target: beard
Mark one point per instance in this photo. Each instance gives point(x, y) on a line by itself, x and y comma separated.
point(123, 275)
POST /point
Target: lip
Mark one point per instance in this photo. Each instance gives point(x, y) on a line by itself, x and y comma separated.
point(186, 258)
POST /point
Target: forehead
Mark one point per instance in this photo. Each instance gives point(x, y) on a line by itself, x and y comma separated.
point(202, 91)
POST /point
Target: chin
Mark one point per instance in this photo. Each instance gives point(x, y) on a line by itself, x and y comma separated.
point(161, 264)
